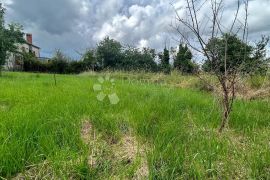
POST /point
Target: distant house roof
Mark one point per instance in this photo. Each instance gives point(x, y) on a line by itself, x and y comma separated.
point(29, 40)
point(32, 45)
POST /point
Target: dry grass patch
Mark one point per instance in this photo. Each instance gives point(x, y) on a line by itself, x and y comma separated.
point(39, 171)
point(127, 158)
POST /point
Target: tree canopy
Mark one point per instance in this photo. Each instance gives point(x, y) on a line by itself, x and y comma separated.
point(109, 53)
point(9, 37)
point(239, 55)
point(183, 60)
point(165, 61)
point(228, 52)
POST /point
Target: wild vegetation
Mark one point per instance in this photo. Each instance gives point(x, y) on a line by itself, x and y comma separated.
point(43, 129)
point(131, 113)
point(224, 45)
point(9, 36)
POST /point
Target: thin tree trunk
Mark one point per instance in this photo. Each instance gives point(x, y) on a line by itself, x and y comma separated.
point(226, 110)
point(54, 77)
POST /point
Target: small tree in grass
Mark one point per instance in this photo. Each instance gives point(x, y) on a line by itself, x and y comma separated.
point(59, 64)
point(219, 43)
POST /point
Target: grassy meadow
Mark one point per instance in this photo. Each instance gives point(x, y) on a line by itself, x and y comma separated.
point(65, 132)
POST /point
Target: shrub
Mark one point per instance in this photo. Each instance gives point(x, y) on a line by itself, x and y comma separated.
point(256, 81)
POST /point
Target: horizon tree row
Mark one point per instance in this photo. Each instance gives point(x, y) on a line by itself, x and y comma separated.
point(112, 55)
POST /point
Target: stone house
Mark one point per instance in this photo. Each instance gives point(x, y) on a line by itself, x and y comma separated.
point(15, 62)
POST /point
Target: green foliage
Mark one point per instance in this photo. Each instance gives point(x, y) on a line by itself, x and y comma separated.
point(230, 48)
point(109, 53)
point(183, 60)
point(257, 81)
point(258, 62)
point(8, 38)
point(32, 64)
point(166, 57)
point(245, 58)
point(207, 66)
point(165, 61)
point(59, 64)
point(75, 67)
point(135, 59)
point(90, 60)
point(41, 126)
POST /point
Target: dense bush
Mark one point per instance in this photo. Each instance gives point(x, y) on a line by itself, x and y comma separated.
point(32, 64)
point(241, 56)
point(110, 54)
point(183, 60)
point(57, 65)
point(165, 61)
point(135, 59)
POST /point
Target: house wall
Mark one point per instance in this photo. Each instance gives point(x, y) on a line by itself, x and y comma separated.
point(14, 62)
point(29, 48)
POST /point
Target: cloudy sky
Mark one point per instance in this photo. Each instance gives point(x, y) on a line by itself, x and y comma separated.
point(74, 25)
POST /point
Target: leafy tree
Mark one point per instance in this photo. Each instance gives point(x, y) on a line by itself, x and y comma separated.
point(31, 63)
point(230, 48)
point(89, 59)
point(109, 53)
point(75, 67)
point(8, 38)
point(166, 57)
point(165, 61)
point(136, 59)
point(206, 67)
point(225, 52)
point(183, 60)
point(147, 59)
point(258, 63)
point(59, 63)
point(226, 58)
point(254, 61)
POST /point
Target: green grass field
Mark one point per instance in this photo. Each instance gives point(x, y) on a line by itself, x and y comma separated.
point(176, 127)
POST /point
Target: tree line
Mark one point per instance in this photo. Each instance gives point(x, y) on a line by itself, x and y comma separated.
point(110, 54)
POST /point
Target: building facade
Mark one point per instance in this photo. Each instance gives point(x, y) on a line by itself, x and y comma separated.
point(15, 61)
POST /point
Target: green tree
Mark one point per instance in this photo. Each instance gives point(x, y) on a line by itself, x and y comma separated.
point(89, 59)
point(109, 53)
point(183, 60)
point(30, 62)
point(136, 59)
point(230, 48)
point(227, 57)
point(165, 61)
point(8, 38)
point(258, 63)
point(242, 57)
point(59, 62)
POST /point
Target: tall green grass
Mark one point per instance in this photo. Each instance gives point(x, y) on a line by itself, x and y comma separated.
point(41, 122)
